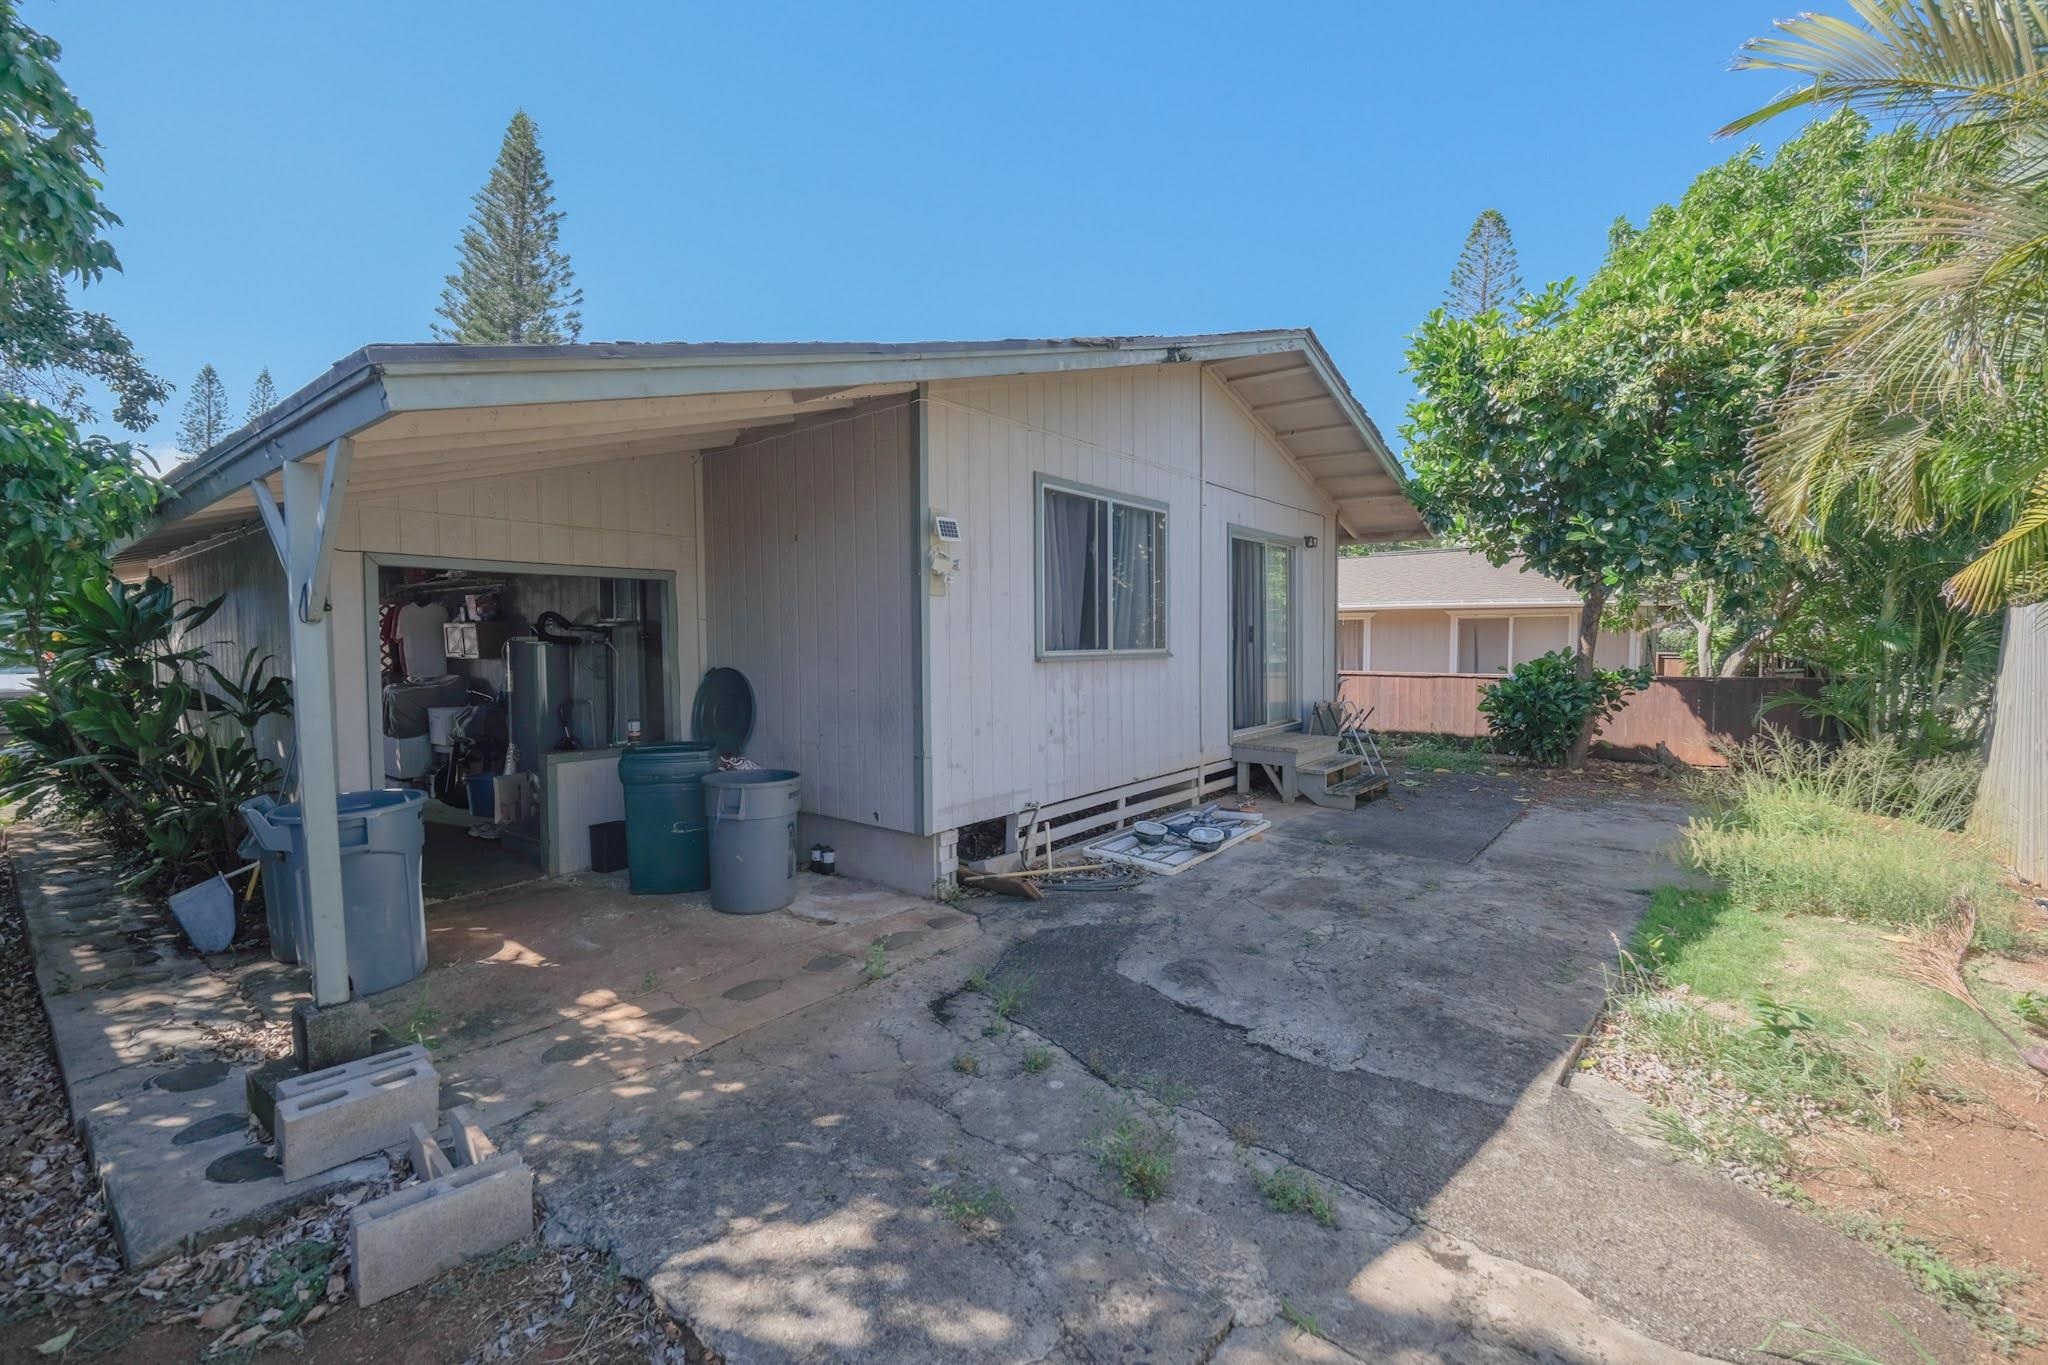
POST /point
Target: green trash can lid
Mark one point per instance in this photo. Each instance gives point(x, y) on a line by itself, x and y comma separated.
point(723, 715)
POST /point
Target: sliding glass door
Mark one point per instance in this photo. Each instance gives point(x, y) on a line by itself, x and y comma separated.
point(1262, 661)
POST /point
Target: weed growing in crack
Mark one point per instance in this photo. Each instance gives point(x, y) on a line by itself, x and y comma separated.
point(977, 980)
point(1137, 1148)
point(1007, 995)
point(876, 965)
point(1289, 1191)
point(420, 1025)
point(967, 1064)
point(1037, 1059)
point(970, 1205)
point(1305, 1323)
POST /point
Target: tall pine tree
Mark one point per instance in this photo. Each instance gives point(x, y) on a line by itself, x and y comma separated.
point(262, 395)
point(1488, 275)
point(514, 284)
point(205, 419)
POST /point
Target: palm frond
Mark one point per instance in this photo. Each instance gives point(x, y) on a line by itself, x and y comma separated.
point(1968, 62)
point(1985, 582)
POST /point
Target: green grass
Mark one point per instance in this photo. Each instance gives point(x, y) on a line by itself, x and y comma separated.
point(970, 1205)
point(1845, 975)
point(1037, 1059)
point(1451, 754)
point(876, 965)
point(1289, 1191)
point(1137, 1149)
point(1858, 833)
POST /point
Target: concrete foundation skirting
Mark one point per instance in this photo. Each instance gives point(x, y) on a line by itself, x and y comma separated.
point(913, 863)
point(411, 1236)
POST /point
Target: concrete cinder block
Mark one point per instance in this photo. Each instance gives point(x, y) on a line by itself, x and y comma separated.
point(408, 1237)
point(260, 1085)
point(334, 1035)
point(472, 1145)
point(327, 1117)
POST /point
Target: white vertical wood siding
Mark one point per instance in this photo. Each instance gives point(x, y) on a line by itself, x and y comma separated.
point(810, 575)
point(1009, 729)
point(2012, 799)
point(243, 572)
point(636, 514)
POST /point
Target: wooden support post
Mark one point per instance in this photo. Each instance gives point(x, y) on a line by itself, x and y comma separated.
point(313, 724)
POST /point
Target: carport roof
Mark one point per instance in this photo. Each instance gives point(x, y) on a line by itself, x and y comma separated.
point(421, 414)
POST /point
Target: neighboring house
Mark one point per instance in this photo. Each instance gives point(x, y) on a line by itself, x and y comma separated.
point(1450, 611)
point(966, 580)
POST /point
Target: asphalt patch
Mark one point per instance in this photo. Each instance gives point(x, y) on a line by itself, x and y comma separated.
point(1395, 1139)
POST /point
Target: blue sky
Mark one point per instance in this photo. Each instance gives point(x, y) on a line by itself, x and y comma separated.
point(293, 178)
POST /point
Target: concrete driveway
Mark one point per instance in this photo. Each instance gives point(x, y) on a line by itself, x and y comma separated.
point(1382, 1000)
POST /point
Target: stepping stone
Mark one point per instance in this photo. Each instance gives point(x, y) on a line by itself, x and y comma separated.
point(826, 962)
point(570, 1050)
point(754, 990)
point(204, 1130)
point(197, 1076)
point(891, 942)
point(242, 1167)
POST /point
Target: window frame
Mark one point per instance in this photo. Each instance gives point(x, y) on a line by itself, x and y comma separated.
point(1041, 486)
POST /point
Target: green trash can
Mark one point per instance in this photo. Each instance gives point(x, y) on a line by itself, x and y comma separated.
point(666, 846)
point(753, 839)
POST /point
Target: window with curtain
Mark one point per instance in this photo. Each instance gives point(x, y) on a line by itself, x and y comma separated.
point(1102, 576)
point(1351, 645)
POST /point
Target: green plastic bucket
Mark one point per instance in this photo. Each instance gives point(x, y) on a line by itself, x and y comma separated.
point(667, 847)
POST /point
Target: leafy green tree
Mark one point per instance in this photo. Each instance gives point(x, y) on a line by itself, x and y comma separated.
point(1921, 393)
point(262, 395)
point(514, 283)
point(51, 232)
point(1488, 275)
point(56, 354)
point(1602, 434)
point(205, 419)
point(67, 498)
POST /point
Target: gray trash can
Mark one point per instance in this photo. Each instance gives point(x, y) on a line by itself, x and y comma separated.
point(753, 838)
point(381, 839)
point(271, 845)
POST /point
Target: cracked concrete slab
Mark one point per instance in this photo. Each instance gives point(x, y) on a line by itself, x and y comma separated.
point(1393, 1027)
point(1379, 1000)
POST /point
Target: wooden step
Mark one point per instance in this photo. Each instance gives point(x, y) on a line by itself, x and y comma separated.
point(1346, 795)
point(1330, 763)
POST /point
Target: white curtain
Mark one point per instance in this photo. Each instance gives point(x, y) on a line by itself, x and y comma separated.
point(1073, 592)
point(1136, 579)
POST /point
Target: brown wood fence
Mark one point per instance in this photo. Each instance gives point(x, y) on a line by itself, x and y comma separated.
point(1688, 716)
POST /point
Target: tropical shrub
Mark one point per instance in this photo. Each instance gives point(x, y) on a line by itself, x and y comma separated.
point(150, 742)
point(1539, 708)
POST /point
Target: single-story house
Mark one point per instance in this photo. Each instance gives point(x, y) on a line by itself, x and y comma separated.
point(969, 582)
point(1450, 610)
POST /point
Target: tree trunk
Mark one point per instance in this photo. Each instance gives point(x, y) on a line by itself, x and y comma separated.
point(1739, 657)
point(1593, 603)
point(1703, 651)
